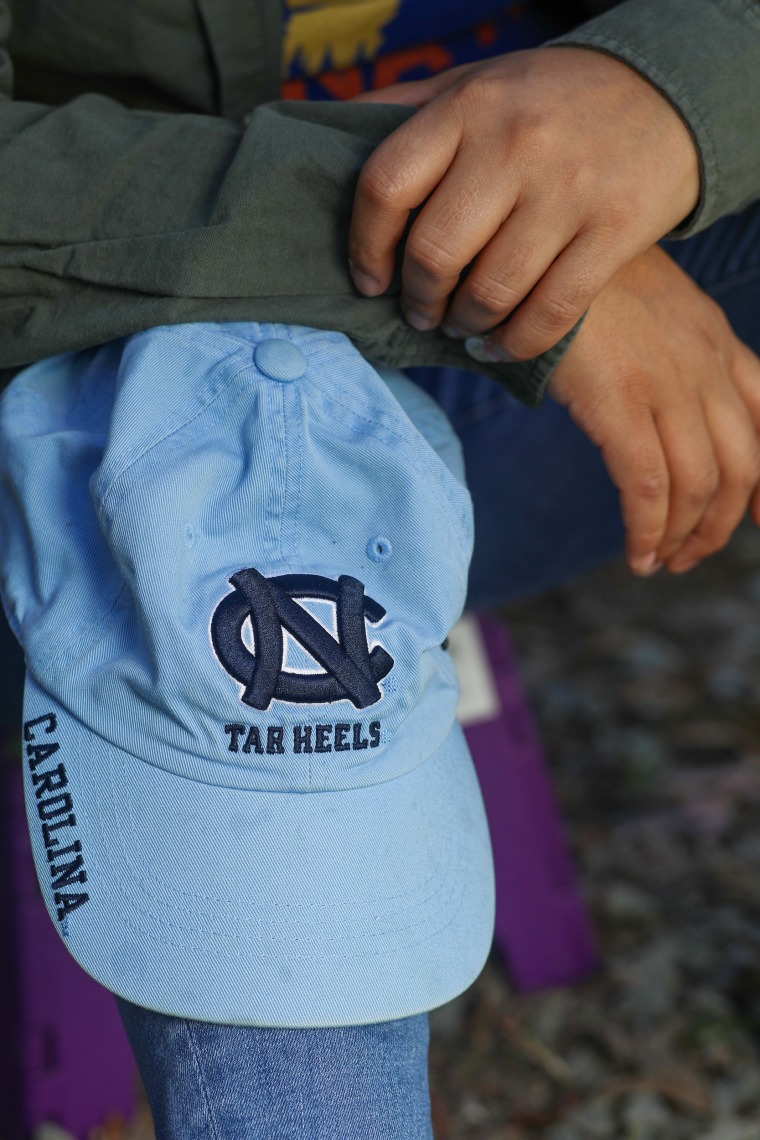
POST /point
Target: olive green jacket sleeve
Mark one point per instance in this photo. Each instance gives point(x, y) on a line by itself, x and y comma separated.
point(703, 56)
point(116, 218)
point(113, 220)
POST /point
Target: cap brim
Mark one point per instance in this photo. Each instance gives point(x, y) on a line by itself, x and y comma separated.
point(290, 910)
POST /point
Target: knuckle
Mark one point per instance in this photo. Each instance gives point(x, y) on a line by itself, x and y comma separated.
point(481, 88)
point(378, 185)
point(714, 338)
point(616, 222)
point(539, 329)
point(558, 311)
point(701, 488)
point(494, 297)
point(635, 384)
point(537, 136)
point(650, 485)
point(580, 183)
point(431, 258)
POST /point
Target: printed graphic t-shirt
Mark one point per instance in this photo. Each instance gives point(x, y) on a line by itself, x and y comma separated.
point(334, 49)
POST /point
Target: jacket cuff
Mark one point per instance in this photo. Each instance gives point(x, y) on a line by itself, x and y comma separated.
point(528, 380)
point(704, 57)
point(525, 380)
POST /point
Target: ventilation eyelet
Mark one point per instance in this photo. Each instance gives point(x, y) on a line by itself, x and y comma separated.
point(379, 548)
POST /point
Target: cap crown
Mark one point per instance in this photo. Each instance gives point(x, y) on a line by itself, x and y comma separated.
point(240, 579)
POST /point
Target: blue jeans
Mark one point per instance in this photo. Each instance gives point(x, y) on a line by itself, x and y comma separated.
point(545, 512)
point(363, 1082)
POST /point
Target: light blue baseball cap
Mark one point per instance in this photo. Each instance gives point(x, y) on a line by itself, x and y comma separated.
point(232, 554)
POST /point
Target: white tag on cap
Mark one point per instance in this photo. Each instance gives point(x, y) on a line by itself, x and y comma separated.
point(478, 696)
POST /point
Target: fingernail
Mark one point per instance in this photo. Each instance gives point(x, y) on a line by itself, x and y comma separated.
point(418, 321)
point(370, 286)
point(497, 353)
point(646, 565)
point(482, 350)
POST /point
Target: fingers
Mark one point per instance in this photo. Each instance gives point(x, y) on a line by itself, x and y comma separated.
point(398, 177)
point(440, 246)
point(508, 268)
point(737, 457)
point(637, 466)
point(513, 252)
point(510, 258)
point(747, 372)
point(694, 472)
point(711, 459)
point(686, 475)
point(683, 491)
point(556, 178)
point(522, 262)
point(659, 382)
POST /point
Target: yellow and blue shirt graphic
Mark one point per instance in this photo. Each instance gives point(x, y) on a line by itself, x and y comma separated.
point(334, 34)
point(339, 48)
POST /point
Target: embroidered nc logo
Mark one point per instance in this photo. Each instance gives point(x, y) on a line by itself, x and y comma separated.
point(350, 670)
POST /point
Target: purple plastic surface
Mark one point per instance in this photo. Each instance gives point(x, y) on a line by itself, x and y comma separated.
point(11, 1106)
point(542, 927)
point(70, 1056)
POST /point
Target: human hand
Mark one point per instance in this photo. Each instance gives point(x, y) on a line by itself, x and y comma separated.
point(657, 379)
point(547, 169)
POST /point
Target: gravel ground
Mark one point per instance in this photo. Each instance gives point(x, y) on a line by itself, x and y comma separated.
point(647, 694)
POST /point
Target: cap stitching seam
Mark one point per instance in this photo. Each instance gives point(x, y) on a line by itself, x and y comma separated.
point(218, 899)
point(236, 943)
point(420, 460)
point(279, 954)
point(87, 636)
point(208, 397)
point(242, 930)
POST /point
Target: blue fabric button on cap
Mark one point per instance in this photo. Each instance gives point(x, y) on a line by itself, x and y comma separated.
point(279, 360)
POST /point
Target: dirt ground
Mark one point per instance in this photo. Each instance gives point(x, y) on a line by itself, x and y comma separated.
point(647, 694)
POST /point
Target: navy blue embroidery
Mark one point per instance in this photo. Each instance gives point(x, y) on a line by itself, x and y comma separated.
point(359, 741)
point(55, 808)
point(351, 671)
point(253, 741)
point(302, 738)
point(324, 732)
point(341, 732)
point(339, 737)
